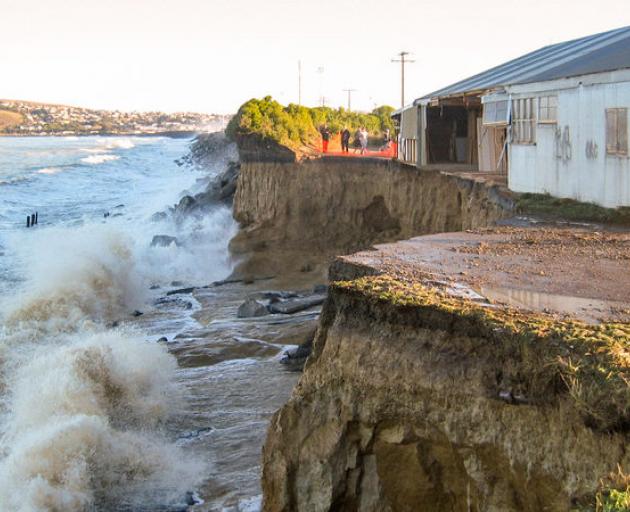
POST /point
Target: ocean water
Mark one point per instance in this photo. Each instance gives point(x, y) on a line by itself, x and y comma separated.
point(87, 395)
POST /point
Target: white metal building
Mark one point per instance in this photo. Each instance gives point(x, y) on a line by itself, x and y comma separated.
point(555, 120)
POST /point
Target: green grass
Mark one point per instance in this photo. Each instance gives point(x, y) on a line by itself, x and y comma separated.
point(571, 210)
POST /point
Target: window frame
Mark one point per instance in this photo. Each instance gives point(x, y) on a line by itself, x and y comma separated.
point(543, 103)
point(523, 121)
point(495, 120)
point(615, 143)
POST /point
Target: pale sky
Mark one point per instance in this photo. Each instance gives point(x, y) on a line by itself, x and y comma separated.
point(211, 56)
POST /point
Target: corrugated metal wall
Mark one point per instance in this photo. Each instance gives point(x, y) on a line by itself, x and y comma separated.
point(569, 158)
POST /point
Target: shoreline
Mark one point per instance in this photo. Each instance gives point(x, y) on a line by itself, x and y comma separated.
point(185, 134)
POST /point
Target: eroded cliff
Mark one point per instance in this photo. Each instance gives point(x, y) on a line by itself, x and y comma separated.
point(328, 206)
point(417, 398)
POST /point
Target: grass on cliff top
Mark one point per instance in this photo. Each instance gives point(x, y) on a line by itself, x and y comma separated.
point(613, 495)
point(591, 361)
point(571, 210)
point(295, 125)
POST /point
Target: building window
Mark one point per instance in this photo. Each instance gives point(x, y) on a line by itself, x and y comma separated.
point(523, 121)
point(617, 131)
point(495, 112)
point(548, 109)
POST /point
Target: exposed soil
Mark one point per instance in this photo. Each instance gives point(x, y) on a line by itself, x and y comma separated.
point(558, 265)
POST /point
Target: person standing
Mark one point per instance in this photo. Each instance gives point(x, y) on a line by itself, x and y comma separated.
point(325, 138)
point(345, 140)
point(363, 138)
point(356, 144)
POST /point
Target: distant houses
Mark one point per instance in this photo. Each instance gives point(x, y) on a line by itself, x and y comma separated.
point(554, 121)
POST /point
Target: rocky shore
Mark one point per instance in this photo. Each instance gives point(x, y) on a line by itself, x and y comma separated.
point(473, 368)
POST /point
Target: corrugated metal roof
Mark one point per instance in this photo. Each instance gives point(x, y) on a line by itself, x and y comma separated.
point(592, 54)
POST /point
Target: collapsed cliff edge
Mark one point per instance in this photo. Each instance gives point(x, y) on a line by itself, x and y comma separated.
point(423, 394)
point(476, 371)
point(300, 210)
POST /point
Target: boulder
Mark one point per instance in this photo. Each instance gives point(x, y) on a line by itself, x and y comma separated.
point(158, 216)
point(164, 241)
point(291, 306)
point(181, 290)
point(186, 204)
point(252, 308)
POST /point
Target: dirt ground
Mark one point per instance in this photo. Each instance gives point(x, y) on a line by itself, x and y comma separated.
point(577, 272)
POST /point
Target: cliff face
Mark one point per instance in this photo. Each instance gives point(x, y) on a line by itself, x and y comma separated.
point(337, 205)
point(400, 409)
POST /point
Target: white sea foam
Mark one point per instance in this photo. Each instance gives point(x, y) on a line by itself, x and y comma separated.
point(49, 170)
point(76, 276)
point(83, 405)
point(81, 428)
point(124, 143)
point(99, 158)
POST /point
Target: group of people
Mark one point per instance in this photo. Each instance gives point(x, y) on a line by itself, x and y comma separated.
point(360, 142)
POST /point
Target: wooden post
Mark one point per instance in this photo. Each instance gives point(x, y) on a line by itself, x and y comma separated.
point(32, 219)
point(36, 217)
point(28, 221)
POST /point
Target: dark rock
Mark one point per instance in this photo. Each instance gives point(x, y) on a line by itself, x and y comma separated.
point(177, 283)
point(256, 148)
point(320, 289)
point(163, 339)
point(164, 241)
point(186, 204)
point(188, 305)
point(154, 287)
point(252, 308)
point(181, 290)
point(295, 305)
point(119, 206)
point(106, 214)
point(137, 313)
point(247, 280)
point(295, 358)
point(158, 216)
point(191, 499)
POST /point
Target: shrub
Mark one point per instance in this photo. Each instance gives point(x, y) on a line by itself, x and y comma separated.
point(296, 125)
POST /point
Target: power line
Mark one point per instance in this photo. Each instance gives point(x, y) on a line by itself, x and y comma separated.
point(349, 91)
point(402, 61)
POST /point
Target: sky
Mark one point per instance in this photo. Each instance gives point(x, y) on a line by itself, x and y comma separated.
point(211, 56)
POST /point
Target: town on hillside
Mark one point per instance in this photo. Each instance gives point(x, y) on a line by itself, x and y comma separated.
point(30, 118)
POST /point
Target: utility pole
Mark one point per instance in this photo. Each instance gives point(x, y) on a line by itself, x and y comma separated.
point(402, 61)
point(349, 91)
point(300, 83)
point(320, 71)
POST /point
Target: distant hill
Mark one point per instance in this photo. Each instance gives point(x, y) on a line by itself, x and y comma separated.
point(19, 117)
point(9, 119)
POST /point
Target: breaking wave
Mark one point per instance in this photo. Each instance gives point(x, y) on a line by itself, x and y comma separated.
point(99, 158)
point(84, 405)
point(49, 170)
point(121, 143)
point(82, 431)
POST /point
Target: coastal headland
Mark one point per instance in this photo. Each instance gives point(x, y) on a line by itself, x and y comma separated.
point(476, 367)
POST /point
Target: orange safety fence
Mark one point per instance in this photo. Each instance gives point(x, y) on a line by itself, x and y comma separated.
point(334, 149)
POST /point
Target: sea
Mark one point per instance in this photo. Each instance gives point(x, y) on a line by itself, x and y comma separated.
point(113, 397)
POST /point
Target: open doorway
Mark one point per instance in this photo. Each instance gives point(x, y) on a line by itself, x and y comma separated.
point(451, 134)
